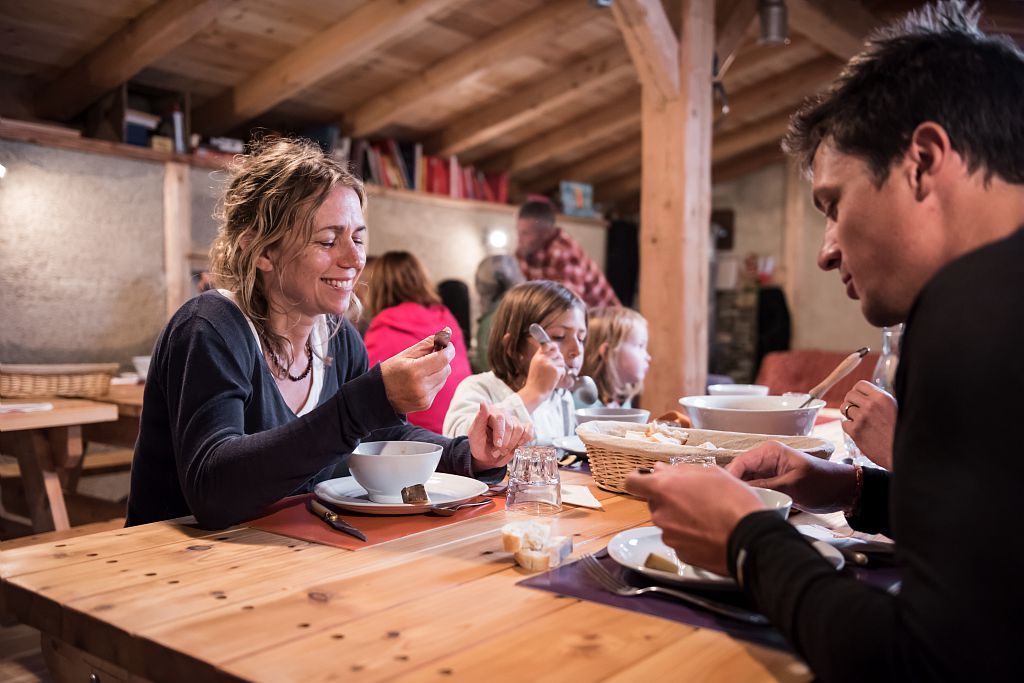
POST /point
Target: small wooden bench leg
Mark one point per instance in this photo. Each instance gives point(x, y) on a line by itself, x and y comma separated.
point(68, 663)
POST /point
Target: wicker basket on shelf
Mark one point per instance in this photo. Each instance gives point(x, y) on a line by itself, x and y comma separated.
point(613, 457)
point(83, 380)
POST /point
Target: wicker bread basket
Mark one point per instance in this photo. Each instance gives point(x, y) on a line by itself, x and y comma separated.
point(77, 380)
point(612, 456)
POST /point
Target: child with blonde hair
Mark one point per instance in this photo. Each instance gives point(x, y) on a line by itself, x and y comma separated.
point(616, 354)
point(527, 378)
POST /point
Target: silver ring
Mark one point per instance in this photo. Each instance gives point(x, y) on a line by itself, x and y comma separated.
point(845, 410)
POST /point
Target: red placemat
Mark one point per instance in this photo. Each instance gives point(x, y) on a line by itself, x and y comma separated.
point(825, 419)
point(289, 517)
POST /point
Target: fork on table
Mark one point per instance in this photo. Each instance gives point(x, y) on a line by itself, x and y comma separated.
point(617, 585)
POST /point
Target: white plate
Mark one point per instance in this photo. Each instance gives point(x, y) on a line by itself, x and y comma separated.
point(345, 493)
point(631, 548)
point(570, 444)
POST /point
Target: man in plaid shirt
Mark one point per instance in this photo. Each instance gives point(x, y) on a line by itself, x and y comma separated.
point(546, 252)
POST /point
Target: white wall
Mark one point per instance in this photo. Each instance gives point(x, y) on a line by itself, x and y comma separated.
point(823, 317)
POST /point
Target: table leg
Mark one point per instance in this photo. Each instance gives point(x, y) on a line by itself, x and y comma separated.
point(40, 479)
point(67, 449)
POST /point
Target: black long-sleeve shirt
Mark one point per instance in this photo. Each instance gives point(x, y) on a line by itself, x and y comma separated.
point(953, 510)
point(217, 439)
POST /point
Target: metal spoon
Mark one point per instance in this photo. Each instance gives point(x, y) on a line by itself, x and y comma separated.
point(449, 510)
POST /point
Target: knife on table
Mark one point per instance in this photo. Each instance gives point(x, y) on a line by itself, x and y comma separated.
point(333, 520)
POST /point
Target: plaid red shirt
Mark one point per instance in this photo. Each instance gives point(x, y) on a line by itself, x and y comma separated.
point(564, 261)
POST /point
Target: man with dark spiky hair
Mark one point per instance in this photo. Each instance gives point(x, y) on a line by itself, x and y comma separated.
point(917, 159)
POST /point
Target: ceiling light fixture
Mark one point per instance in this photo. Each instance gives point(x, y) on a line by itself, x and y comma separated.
point(774, 25)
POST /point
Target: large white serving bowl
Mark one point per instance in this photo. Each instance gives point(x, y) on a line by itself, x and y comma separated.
point(753, 414)
point(384, 468)
point(737, 390)
point(616, 414)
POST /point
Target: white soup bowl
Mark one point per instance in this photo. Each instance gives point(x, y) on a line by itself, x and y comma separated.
point(384, 468)
point(780, 415)
point(617, 414)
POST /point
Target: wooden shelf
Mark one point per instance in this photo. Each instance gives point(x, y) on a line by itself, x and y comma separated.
point(457, 202)
point(66, 138)
point(52, 136)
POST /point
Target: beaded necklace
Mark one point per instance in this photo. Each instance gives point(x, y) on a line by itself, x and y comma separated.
point(284, 370)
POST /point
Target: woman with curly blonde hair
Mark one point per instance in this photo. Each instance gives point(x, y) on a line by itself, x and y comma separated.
point(257, 390)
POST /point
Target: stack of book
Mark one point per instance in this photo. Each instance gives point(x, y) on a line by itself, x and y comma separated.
point(404, 166)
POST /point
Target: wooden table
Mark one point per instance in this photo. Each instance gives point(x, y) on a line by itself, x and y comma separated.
point(168, 602)
point(124, 431)
point(48, 445)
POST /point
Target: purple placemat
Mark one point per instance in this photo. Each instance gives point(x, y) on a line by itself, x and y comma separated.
point(573, 580)
point(578, 466)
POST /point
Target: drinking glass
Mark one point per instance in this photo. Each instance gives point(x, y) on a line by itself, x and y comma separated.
point(534, 484)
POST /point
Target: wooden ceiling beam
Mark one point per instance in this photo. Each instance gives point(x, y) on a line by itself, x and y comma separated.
point(588, 130)
point(757, 134)
point(778, 92)
point(622, 186)
point(837, 26)
point(628, 185)
point(532, 102)
point(651, 42)
point(593, 168)
point(356, 35)
point(142, 41)
point(731, 32)
point(515, 38)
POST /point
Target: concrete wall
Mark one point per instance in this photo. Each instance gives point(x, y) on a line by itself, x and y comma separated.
point(81, 248)
point(823, 317)
point(81, 256)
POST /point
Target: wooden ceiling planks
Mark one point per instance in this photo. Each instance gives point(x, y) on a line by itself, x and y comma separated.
point(482, 104)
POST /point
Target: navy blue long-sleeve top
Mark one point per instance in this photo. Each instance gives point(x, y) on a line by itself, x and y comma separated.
point(217, 440)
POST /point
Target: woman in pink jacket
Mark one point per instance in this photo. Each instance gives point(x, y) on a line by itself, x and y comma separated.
point(403, 307)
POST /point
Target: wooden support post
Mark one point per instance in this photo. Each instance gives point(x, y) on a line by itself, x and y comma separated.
point(177, 233)
point(675, 204)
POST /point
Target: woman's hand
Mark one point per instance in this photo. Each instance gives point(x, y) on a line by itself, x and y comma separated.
point(413, 377)
point(697, 509)
point(871, 421)
point(546, 373)
point(494, 437)
point(815, 485)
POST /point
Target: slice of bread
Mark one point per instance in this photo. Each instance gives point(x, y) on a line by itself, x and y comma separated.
point(533, 546)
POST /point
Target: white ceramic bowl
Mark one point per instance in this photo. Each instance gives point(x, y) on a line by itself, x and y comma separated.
point(384, 468)
point(141, 364)
point(737, 390)
point(617, 414)
point(775, 500)
point(753, 414)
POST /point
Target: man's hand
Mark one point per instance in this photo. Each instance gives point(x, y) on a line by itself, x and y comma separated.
point(697, 509)
point(814, 484)
point(494, 437)
point(871, 421)
point(413, 377)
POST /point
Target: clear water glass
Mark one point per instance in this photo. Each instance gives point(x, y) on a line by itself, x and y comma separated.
point(534, 483)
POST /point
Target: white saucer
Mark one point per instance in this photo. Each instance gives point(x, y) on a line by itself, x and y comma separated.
point(570, 444)
point(631, 548)
point(346, 494)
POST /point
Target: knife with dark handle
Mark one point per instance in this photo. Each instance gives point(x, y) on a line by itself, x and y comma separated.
point(333, 520)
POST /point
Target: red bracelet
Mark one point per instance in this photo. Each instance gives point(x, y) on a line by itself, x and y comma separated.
point(858, 472)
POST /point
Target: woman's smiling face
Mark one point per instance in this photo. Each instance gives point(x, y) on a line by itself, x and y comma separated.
point(317, 278)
